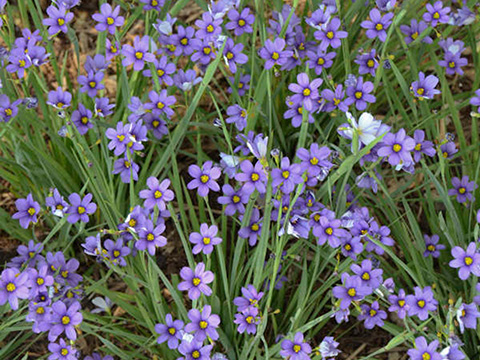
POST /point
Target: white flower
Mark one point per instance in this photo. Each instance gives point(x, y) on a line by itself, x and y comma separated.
point(366, 128)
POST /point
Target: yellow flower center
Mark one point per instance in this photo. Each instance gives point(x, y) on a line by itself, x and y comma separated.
point(462, 190)
point(40, 310)
point(255, 227)
point(436, 15)
point(431, 248)
point(297, 348)
point(40, 281)
point(445, 154)
point(240, 85)
point(468, 260)
point(300, 110)
point(65, 274)
point(314, 161)
point(316, 217)
point(241, 22)
point(84, 120)
point(243, 114)
point(306, 92)
point(154, 3)
point(196, 281)
point(158, 194)
point(80, 210)
point(21, 63)
point(373, 312)
point(329, 231)
point(206, 240)
point(366, 276)
point(321, 61)
point(210, 28)
point(358, 94)
point(204, 178)
point(420, 91)
point(451, 64)
point(418, 147)
point(275, 55)
point(116, 253)
point(415, 35)
point(348, 247)
point(370, 63)
point(8, 112)
point(184, 41)
point(330, 35)
point(92, 84)
point(255, 177)
point(110, 20)
point(150, 237)
point(160, 105)
point(379, 27)
point(113, 49)
point(421, 303)
point(426, 356)
point(31, 211)
point(229, 55)
point(172, 331)
point(64, 352)
point(11, 287)
point(249, 319)
point(397, 147)
point(155, 123)
point(139, 55)
point(65, 320)
point(203, 324)
point(207, 50)
point(61, 22)
point(132, 222)
point(352, 292)
point(401, 303)
point(160, 72)
point(171, 47)
point(336, 101)
point(286, 174)
point(236, 199)
point(196, 354)
point(127, 164)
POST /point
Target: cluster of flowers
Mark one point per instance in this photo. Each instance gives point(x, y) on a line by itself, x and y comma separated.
point(52, 286)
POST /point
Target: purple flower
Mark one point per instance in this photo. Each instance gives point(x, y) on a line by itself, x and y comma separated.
point(116, 252)
point(247, 320)
point(329, 35)
point(242, 86)
point(111, 49)
point(39, 280)
point(369, 277)
point(436, 13)
point(448, 149)
point(81, 119)
point(182, 40)
point(153, 4)
point(240, 22)
point(475, 101)
point(467, 261)
point(372, 315)
point(108, 19)
point(432, 247)
point(103, 107)
point(204, 178)
point(156, 124)
point(204, 52)
point(209, 27)
point(61, 351)
point(368, 63)
point(274, 53)
point(315, 160)
point(424, 88)
point(233, 199)
point(194, 350)
point(397, 147)
point(253, 230)
point(297, 349)
point(287, 176)
point(8, 110)
point(205, 239)
point(139, 53)
point(160, 103)
point(203, 324)
point(171, 331)
point(421, 303)
point(233, 55)
point(453, 63)
point(185, 81)
point(351, 290)
point(359, 94)
point(238, 116)
point(250, 298)
point(163, 69)
point(127, 169)
point(27, 210)
point(29, 255)
point(462, 189)
point(157, 194)
point(91, 83)
point(320, 60)
point(422, 146)
point(58, 19)
point(59, 99)
point(195, 281)
point(97, 356)
point(295, 112)
point(79, 209)
point(149, 237)
point(467, 315)
point(13, 286)
point(413, 31)
point(424, 351)
point(399, 304)
point(351, 247)
point(64, 320)
point(305, 91)
point(377, 25)
point(335, 100)
point(18, 62)
point(328, 228)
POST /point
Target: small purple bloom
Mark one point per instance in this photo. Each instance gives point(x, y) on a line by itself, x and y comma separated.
point(58, 19)
point(13, 286)
point(467, 261)
point(250, 298)
point(421, 303)
point(377, 25)
point(203, 323)
point(204, 178)
point(453, 63)
point(233, 55)
point(59, 99)
point(247, 320)
point(397, 147)
point(91, 83)
point(127, 169)
point(27, 210)
point(463, 189)
point(195, 281)
point(287, 176)
point(141, 52)
point(171, 331)
point(238, 116)
point(253, 230)
point(432, 247)
point(274, 53)
point(368, 63)
point(194, 350)
point(436, 13)
point(240, 22)
point(422, 146)
point(108, 19)
point(81, 119)
point(297, 349)
point(305, 91)
point(370, 277)
point(61, 351)
point(205, 239)
point(149, 237)
point(234, 200)
point(415, 29)
point(209, 27)
point(359, 94)
point(320, 60)
point(372, 315)
point(79, 208)
point(448, 149)
point(424, 88)
point(399, 304)
point(157, 194)
point(329, 35)
point(116, 252)
point(64, 320)
point(424, 351)
point(351, 290)
point(160, 103)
